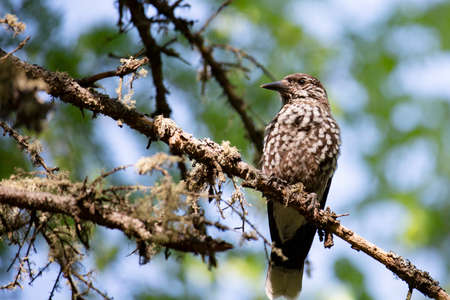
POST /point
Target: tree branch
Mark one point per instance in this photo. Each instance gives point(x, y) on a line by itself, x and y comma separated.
point(211, 154)
point(256, 135)
point(20, 46)
point(32, 149)
point(153, 53)
point(213, 16)
point(128, 67)
point(239, 53)
point(110, 218)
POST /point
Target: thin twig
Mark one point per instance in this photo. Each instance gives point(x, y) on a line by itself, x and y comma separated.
point(244, 219)
point(129, 66)
point(225, 4)
point(30, 246)
point(242, 216)
point(41, 270)
point(26, 146)
point(153, 51)
point(241, 200)
point(240, 52)
point(16, 281)
point(109, 173)
point(20, 46)
point(409, 295)
point(17, 256)
point(126, 188)
point(55, 285)
point(73, 285)
point(91, 286)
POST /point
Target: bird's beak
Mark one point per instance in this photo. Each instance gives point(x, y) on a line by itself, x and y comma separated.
point(278, 86)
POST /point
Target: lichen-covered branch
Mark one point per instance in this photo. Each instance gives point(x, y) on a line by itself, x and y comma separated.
point(229, 161)
point(128, 66)
point(101, 215)
point(13, 23)
point(33, 149)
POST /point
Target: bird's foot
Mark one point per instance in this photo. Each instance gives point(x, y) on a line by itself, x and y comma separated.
point(277, 180)
point(294, 193)
point(313, 203)
point(297, 187)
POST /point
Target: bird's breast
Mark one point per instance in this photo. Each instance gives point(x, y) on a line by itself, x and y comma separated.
point(301, 143)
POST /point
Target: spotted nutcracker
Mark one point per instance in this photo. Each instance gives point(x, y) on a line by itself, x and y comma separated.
point(301, 144)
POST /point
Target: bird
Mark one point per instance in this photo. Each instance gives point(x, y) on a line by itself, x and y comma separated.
point(301, 145)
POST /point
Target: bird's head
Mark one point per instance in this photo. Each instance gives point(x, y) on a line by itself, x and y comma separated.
point(298, 86)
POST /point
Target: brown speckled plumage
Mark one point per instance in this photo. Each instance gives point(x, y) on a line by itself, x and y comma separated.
point(301, 144)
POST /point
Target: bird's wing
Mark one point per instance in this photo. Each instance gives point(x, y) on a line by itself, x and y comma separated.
point(325, 194)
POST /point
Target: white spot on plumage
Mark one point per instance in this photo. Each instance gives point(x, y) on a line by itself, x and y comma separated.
point(277, 158)
point(313, 148)
point(321, 133)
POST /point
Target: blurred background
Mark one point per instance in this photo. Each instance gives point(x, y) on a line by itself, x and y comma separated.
point(386, 67)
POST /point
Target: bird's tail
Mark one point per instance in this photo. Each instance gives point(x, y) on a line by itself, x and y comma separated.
point(285, 274)
point(283, 282)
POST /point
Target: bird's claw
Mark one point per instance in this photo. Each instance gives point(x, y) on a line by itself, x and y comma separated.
point(313, 204)
point(277, 180)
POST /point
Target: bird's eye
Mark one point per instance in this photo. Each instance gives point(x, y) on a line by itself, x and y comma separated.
point(301, 81)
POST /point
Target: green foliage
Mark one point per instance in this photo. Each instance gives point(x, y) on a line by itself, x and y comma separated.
point(153, 296)
point(265, 30)
point(349, 274)
point(224, 124)
point(104, 39)
point(70, 136)
point(107, 255)
point(437, 18)
point(15, 158)
point(64, 59)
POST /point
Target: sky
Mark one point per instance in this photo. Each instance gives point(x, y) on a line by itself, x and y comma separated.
point(326, 21)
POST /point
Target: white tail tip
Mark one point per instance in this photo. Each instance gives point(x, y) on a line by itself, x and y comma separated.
point(282, 282)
